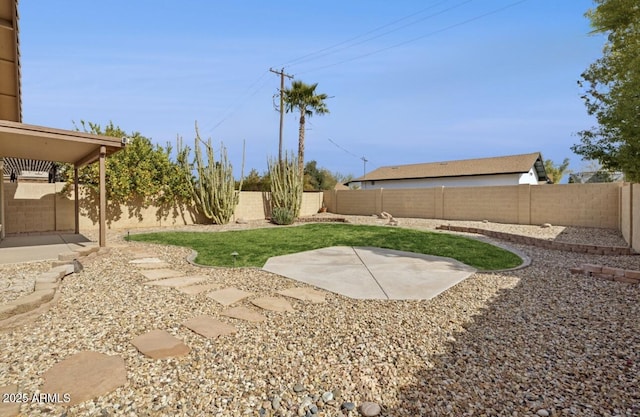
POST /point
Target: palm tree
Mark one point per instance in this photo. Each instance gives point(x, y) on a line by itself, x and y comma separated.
point(303, 97)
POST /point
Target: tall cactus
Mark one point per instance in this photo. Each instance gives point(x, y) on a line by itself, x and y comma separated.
point(213, 190)
point(286, 187)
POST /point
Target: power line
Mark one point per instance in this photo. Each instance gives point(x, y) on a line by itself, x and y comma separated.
point(340, 147)
point(455, 25)
point(232, 109)
point(303, 58)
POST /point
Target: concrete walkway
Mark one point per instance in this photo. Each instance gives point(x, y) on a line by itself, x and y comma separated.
point(372, 273)
point(16, 249)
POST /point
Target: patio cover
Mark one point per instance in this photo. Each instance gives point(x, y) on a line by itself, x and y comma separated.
point(20, 140)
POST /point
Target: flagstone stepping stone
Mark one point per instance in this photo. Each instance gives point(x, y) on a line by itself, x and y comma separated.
point(154, 265)
point(243, 313)
point(228, 296)
point(84, 376)
point(178, 281)
point(9, 408)
point(198, 288)
point(158, 344)
point(208, 326)
point(161, 273)
point(148, 260)
point(273, 304)
point(143, 254)
point(304, 294)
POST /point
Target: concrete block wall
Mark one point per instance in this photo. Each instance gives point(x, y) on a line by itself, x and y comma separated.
point(626, 212)
point(29, 207)
point(588, 205)
point(496, 204)
point(418, 203)
point(358, 202)
point(40, 207)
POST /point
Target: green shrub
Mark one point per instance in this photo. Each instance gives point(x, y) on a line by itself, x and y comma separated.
point(282, 216)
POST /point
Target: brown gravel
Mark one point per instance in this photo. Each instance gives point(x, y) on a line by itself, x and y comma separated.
point(508, 344)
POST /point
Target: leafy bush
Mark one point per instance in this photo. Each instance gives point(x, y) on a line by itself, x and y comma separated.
point(282, 216)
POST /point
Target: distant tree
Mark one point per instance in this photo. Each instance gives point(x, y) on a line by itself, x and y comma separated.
point(303, 98)
point(343, 178)
point(556, 172)
point(252, 181)
point(318, 179)
point(255, 182)
point(612, 92)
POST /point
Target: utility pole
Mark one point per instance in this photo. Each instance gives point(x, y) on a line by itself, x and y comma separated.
point(282, 75)
point(364, 172)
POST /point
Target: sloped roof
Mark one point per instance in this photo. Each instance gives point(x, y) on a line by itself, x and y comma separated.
point(512, 164)
point(10, 104)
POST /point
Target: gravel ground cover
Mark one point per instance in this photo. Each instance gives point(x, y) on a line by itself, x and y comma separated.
point(531, 342)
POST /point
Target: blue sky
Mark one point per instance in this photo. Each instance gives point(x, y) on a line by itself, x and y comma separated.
point(410, 81)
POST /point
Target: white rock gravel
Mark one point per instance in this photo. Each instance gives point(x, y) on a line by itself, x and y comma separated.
point(508, 344)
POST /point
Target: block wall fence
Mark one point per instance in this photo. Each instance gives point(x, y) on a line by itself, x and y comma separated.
point(606, 205)
point(40, 207)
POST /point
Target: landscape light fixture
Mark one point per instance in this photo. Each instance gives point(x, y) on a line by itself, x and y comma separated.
point(235, 255)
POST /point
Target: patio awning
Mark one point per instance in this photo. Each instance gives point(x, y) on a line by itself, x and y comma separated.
point(18, 140)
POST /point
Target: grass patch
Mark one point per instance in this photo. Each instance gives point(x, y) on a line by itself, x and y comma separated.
point(255, 246)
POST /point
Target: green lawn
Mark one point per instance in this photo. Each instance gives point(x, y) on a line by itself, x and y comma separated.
point(257, 245)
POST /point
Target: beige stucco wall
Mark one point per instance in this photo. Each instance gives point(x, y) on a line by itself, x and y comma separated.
point(496, 204)
point(40, 207)
point(591, 205)
point(626, 212)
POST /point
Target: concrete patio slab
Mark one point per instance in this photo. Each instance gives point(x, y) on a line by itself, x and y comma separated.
point(372, 273)
point(31, 248)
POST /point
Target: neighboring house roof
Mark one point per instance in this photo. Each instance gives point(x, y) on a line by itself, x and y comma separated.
point(512, 164)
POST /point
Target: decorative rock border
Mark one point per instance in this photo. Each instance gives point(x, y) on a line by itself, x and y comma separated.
point(46, 286)
point(542, 243)
point(608, 273)
point(313, 219)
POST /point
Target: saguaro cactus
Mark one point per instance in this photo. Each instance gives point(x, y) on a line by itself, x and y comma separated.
point(213, 189)
point(286, 189)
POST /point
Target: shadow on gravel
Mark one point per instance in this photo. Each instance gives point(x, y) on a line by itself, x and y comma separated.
point(565, 344)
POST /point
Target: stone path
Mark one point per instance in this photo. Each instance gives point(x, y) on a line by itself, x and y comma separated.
point(86, 375)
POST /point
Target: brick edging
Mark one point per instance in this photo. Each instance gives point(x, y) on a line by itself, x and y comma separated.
point(608, 273)
point(542, 243)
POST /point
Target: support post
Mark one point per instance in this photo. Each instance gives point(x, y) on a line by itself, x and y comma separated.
point(3, 226)
point(282, 75)
point(103, 197)
point(76, 200)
